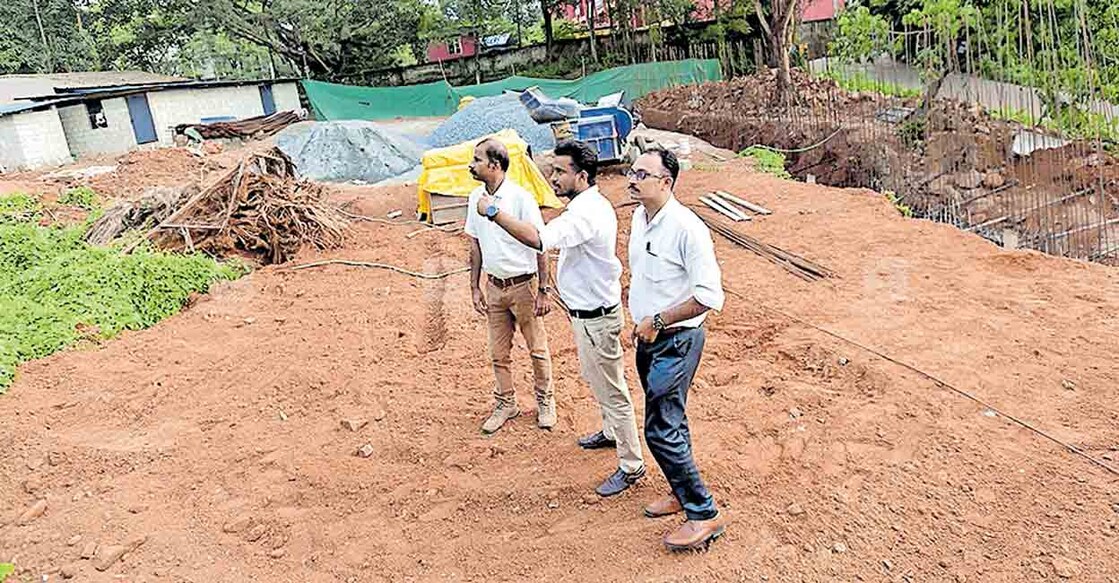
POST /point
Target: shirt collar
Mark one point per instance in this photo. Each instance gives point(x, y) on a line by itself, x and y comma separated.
point(584, 198)
point(500, 189)
point(668, 208)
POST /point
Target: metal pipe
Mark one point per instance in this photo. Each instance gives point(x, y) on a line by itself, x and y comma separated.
point(761, 210)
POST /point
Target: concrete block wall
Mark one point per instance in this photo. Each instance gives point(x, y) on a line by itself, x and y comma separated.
point(11, 155)
point(287, 96)
point(172, 107)
point(38, 139)
point(84, 140)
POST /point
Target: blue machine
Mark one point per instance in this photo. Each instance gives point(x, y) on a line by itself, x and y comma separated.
point(605, 128)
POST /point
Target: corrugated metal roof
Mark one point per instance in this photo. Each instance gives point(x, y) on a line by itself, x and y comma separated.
point(11, 108)
point(78, 94)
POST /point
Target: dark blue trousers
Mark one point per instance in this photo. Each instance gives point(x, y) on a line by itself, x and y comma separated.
point(666, 368)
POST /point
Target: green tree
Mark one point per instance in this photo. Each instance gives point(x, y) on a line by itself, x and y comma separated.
point(861, 36)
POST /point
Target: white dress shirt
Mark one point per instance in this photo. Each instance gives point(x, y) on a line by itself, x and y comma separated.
point(503, 256)
point(589, 273)
point(672, 259)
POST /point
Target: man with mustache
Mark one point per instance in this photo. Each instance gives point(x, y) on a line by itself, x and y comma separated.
point(517, 290)
point(589, 284)
point(674, 281)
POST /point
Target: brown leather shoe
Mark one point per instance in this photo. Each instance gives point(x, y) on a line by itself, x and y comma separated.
point(695, 535)
point(665, 506)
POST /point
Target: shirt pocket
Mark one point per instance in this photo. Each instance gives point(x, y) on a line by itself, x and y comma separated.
point(659, 269)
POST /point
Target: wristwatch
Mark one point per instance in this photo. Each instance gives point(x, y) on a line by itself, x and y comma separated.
point(545, 289)
point(658, 323)
point(491, 212)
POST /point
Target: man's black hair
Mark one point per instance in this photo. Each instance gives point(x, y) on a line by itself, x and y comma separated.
point(668, 160)
point(496, 152)
point(583, 157)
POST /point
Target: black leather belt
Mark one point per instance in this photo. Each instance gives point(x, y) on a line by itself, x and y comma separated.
point(592, 314)
point(512, 281)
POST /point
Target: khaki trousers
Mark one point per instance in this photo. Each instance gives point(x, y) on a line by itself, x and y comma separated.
point(509, 308)
point(600, 357)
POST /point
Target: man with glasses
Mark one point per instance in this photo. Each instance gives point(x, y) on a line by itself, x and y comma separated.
point(675, 281)
point(589, 283)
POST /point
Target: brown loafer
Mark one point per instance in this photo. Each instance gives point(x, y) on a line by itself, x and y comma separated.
point(695, 535)
point(666, 506)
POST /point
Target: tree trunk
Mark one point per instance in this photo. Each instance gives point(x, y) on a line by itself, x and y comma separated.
point(590, 27)
point(549, 33)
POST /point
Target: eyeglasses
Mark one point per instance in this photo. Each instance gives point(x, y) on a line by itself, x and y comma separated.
point(640, 175)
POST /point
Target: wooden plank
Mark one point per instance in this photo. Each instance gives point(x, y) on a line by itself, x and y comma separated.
point(757, 208)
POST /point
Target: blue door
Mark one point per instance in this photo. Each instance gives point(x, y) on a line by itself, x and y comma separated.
point(141, 115)
point(267, 100)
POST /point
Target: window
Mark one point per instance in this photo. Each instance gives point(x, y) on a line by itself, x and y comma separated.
point(454, 46)
point(96, 115)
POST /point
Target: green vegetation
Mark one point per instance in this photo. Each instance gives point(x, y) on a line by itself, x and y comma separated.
point(6, 569)
point(1070, 122)
point(55, 289)
point(81, 196)
point(19, 207)
point(767, 160)
point(901, 208)
point(912, 131)
point(1067, 50)
point(861, 36)
point(861, 82)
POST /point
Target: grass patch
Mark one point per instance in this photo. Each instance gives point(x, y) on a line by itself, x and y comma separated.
point(81, 196)
point(1070, 122)
point(19, 207)
point(901, 208)
point(56, 289)
point(767, 160)
point(860, 82)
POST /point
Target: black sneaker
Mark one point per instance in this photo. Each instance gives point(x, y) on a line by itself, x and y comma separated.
point(597, 441)
point(619, 482)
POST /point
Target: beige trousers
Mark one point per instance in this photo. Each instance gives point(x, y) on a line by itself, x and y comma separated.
point(599, 344)
point(507, 309)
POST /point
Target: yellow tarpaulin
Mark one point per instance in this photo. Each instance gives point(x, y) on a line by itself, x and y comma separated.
point(446, 172)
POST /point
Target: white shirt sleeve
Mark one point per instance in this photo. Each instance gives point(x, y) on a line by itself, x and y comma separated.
point(470, 227)
point(530, 211)
point(703, 270)
point(566, 231)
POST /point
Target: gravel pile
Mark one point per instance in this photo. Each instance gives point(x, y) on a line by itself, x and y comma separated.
point(346, 151)
point(490, 115)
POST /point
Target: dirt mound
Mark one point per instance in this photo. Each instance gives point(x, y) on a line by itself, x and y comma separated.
point(956, 165)
point(754, 94)
point(216, 437)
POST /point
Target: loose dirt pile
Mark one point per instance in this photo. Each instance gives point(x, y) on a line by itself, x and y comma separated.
point(217, 437)
point(956, 166)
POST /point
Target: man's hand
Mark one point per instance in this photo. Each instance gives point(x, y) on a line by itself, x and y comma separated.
point(484, 203)
point(543, 304)
point(479, 300)
point(645, 332)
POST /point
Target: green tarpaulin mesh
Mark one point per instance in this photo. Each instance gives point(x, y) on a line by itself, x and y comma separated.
point(330, 101)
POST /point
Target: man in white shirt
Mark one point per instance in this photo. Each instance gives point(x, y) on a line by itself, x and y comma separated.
point(589, 282)
point(675, 281)
point(516, 291)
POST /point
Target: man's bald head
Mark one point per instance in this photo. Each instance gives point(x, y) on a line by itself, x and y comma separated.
point(495, 152)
